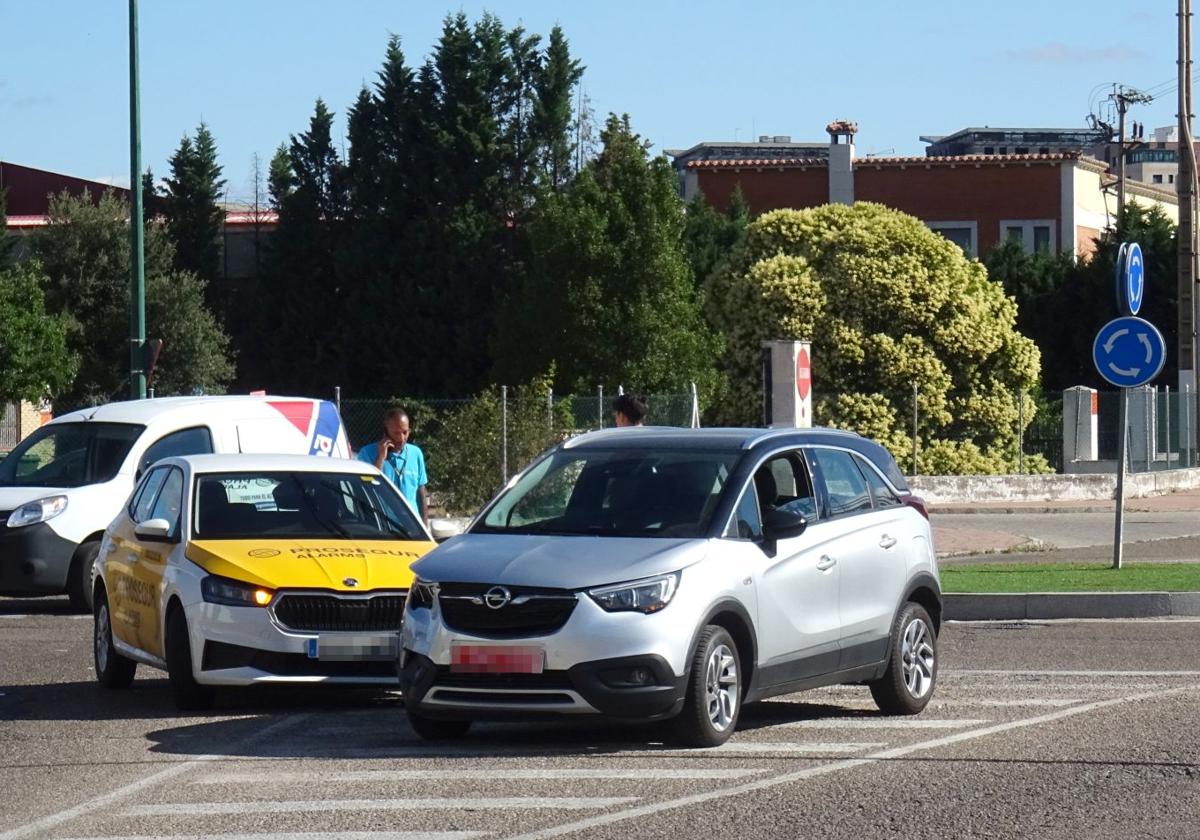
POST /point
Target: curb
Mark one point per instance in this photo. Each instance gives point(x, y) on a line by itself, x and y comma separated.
point(1019, 606)
point(954, 511)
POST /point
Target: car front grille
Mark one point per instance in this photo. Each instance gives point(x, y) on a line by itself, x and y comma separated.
point(530, 611)
point(333, 613)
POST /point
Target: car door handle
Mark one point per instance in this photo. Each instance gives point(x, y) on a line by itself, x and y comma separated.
point(825, 563)
point(887, 541)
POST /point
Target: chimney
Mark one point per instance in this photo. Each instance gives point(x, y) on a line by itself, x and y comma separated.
point(841, 161)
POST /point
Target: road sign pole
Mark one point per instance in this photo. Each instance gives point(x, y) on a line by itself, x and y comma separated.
point(1119, 526)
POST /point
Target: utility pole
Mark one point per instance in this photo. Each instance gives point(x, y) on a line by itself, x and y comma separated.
point(1123, 97)
point(1185, 187)
point(137, 256)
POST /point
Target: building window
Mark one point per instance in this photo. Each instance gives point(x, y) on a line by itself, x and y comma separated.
point(1044, 150)
point(1156, 179)
point(1021, 150)
point(1004, 150)
point(1035, 236)
point(989, 150)
point(962, 234)
point(1170, 179)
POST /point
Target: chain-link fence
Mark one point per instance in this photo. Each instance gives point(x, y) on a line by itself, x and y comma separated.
point(473, 445)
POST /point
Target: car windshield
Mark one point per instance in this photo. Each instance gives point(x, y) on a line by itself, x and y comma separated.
point(69, 455)
point(613, 492)
point(299, 504)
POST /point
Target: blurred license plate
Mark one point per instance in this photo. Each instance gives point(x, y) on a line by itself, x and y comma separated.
point(497, 659)
point(352, 648)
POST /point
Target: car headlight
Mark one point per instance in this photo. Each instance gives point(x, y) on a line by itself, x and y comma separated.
point(421, 595)
point(645, 596)
point(32, 513)
point(234, 593)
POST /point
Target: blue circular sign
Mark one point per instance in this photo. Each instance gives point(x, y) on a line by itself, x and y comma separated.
point(1129, 351)
point(1131, 278)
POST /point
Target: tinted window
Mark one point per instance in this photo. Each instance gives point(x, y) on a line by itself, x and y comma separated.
point(880, 492)
point(845, 486)
point(613, 492)
point(329, 505)
point(143, 499)
point(69, 455)
point(170, 499)
point(783, 483)
point(195, 441)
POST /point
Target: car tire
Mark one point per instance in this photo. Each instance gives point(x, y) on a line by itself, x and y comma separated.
point(714, 691)
point(81, 576)
point(189, 695)
point(435, 729)
point(112, 669)
point(908, 684)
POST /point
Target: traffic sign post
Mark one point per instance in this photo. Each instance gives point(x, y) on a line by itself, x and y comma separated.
point(1128, 352)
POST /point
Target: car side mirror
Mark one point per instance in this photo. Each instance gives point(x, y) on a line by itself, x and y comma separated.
point(154, 530)
point(444, 529)
point(783, 524)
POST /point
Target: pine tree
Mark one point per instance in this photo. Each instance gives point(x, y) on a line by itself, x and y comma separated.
point(192, 208)
point(280, 178)
point(552, 123)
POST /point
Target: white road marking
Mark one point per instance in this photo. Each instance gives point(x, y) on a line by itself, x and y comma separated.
point(107, 800)
point(449, 803)
point(881, 723)
point(782, 748)
point(307, 835)
point(1028, 701)
point(825, 769)
point(496, 774)
point(995, 672)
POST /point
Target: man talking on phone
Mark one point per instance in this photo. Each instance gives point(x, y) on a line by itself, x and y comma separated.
point(403, 463)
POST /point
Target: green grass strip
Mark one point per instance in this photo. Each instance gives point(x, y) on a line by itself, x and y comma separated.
point(1064, 577)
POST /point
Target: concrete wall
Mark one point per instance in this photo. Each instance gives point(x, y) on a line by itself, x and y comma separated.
point(947, 489)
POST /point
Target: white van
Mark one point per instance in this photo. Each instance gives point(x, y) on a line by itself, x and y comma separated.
point(62, 485)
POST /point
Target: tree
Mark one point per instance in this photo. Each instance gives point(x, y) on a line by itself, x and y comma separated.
point(552, 123)
point(299, 296)
point(888, 304)
point(710, 236)
point(608, 296)
point(191, 206)
point(34, 359)
point(1053, 291)
point(85, 255)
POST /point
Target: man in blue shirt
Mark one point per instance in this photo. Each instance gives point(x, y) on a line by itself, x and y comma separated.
point(403, 463)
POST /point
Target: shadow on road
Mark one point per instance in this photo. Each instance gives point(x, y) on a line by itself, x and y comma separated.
point(37, 606)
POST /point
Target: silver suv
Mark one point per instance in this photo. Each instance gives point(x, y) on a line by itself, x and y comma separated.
point(677, 574)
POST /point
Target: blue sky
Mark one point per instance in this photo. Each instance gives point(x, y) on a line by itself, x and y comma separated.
point(685, 72)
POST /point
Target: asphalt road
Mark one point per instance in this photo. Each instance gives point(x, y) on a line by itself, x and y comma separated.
point(1059, 730)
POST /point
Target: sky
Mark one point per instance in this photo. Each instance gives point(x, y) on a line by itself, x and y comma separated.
point(685, 72)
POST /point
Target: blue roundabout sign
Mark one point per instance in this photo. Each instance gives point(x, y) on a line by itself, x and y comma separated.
point(1129, 352)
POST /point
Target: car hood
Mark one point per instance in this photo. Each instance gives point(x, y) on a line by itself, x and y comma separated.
point(555, 561)
point(311, 564)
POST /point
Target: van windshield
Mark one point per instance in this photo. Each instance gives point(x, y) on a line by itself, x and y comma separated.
point(69, 455)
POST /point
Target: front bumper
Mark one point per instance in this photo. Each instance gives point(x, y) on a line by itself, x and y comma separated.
point(249, 646)
point(598, 687)
point(34, 560)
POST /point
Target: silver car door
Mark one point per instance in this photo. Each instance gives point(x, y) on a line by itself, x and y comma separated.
point(796, 581)
point(869, 546)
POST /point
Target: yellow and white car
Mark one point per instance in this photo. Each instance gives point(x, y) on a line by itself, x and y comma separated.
point(245, 569)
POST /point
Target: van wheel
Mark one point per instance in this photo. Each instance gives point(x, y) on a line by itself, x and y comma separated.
point(907, 685)
point(190, 696)
point(433, 729)
point(112, 670)
point(714, 692)
point(81, 576)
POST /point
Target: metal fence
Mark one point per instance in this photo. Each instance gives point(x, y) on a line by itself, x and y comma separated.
point(472, 446)
point(1160, 429)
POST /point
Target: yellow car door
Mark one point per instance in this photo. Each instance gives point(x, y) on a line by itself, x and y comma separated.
point(152, 545)
point(125, 592)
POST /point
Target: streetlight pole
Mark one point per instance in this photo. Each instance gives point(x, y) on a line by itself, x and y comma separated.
point(137, 268)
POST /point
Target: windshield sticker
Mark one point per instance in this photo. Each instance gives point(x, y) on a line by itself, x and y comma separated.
point(370, 479)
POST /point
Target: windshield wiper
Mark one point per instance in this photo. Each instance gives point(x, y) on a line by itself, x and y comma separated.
point(398, 528)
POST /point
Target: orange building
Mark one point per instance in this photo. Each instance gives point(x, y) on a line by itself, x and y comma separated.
point(1057, 202)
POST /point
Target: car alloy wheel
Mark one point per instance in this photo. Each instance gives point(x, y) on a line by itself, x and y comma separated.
point(917, 657)
point(721, 687)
